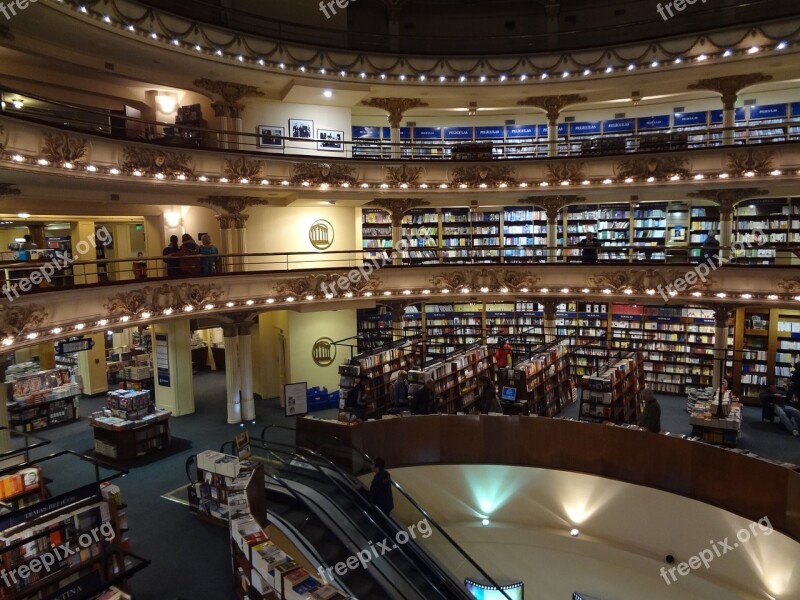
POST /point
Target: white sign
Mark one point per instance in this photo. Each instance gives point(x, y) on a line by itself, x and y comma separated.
point(296, 399)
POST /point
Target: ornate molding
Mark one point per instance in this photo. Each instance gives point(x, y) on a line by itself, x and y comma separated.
point(760, 162)
point(791, 286)
point(322, 173)
point(483, 175)
point(567, 170)
point(167, 297)
point(231, 95)
point(60, 148)
point(728, 198)
point(475, 279)
point(396, 107)
point(640, 281)
point(730, 86)
point(403, 175)
point(18, 320)
point(398, 207)
point(149, 161)
point(552, 204)
point(553, 105)
point(327, 285)
point(232, 209)
point(9, 189)
point(659, 167)
point(242, 168)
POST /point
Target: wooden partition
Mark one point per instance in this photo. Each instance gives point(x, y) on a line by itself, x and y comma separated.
point(749, 487)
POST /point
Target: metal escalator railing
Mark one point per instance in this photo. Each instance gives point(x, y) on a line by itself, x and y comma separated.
point(443, 587)
point(458, 564)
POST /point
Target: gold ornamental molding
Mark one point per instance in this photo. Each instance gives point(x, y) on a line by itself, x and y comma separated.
point(553, 105)
point(483, 175)
point(646, 281)
point(398, 207)
point(151, 162)
point(403, 175)
point(9, 189)
point(730, 86)
point(322, 174)
point(230, 96)
point(164, 299)
point(658, 167)
point(791, 286)
point(571, 171)
point(242, 168)
point(329, 285)
point(60, 148)
point(396, 107)
point(728, 198)
point(552, 204)
point(476, 279)
point(16, 320)
point(231, 215)
point(759, 162)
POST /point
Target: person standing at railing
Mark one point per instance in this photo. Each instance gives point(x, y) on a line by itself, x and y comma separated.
point(710, 249)
point(209, 263)
point(140, 267)
point(172, 250)
point(190, 255)
point(589, 246)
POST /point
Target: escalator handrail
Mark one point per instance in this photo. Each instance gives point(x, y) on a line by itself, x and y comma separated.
point(405, 494)
point(296, 456)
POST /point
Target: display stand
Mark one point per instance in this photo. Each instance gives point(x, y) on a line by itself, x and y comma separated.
point(712, 428)
point(42, 399)
point(131, 426)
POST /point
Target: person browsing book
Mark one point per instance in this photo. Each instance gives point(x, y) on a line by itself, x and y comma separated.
point(487, 399)
point(357, 399)
point(650, 417)
point(423, 402)
point(400, 390)
point(502, 356)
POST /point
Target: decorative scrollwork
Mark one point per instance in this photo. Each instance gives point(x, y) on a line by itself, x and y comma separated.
point(642, 281)
point(319, 173)
point(659, 167)
point(242, 168)
point(167, 297)
point(329, 285)
point(18, 320)
point(60, 148)
point(791, 286)
point(155, 162)
point(230, 94)
point(483, 175)
point(760, 162)
point(403, 175)
point(494, 279)
point(571, 171)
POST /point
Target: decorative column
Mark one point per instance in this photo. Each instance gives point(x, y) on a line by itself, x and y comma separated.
point(397, 209)
point(175, 391)
point(721, 317)
point(727, 199)
point(396, 107)
point(729, 88)
point(552, 105)
point(37, 234)
point(232, 222)
point(550, 307)
point(397, 310)
point(228, 108)
point(246, 370)
point(232, 379)
point(552, 205)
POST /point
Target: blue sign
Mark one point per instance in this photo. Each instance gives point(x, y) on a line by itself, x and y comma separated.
point(521, 131)
point(795, 106)
point(658, 122)
point(562, 130)
point(716, 116)
point(405, 133)
point(366, 133)
point(770, 111)
point(427, 133)
point(489, 133)
point(542, 131)
point(458, 133)
point(691, 119)
point(619, 126)
point(586, 128)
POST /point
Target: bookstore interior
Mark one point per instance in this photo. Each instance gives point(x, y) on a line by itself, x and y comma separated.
point(553, 304)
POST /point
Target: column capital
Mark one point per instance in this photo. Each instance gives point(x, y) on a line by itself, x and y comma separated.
point(230, 330)
point(231, 215)
point(728, 198)
point(247, 328)
point(398, 207)
point(229, 96)
point(396, 107)
point(722, 315)
point(550, 309)
point(552, 204)
point(552, 105)
point(730, 86)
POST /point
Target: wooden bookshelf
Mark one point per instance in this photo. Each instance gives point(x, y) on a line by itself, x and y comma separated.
point(456, 379)
point(612, 394)
point(544, 381)
point(376, 232)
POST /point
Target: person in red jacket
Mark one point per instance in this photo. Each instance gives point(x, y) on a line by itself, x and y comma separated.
point(502, 356)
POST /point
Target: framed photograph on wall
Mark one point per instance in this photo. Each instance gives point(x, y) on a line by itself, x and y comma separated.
point(330, 140)
point(270, 137)
point(301, 129)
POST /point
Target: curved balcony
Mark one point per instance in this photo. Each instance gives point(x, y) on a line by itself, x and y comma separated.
point(35, 309)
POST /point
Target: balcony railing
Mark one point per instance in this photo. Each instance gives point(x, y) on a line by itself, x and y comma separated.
point(104, 123)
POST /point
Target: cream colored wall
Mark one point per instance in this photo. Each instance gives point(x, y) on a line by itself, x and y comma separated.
point(267, 381)
point(8, 236)
point(194, 220)
point(304, 330)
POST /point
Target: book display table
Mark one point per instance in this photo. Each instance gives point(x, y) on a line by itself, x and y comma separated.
point(131, 426)
point(717, 430)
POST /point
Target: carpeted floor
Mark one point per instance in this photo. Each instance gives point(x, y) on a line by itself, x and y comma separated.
point(191, 559)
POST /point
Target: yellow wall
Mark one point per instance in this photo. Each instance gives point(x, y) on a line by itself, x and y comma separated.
point(305, 329)
point(267, 380)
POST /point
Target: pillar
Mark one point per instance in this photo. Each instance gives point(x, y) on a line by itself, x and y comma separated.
point(725, 231)
point(397, 209)
point(232, 379)
point(550, 307)
point(154, 244)
point(237, 142)
point(83, 231)
point(721, 317)
point(92, 366)
point(47, 356)
point(227, 244)
point(394, 139)
point(396, 107)
point(246, 371)
point(552, 235)
point(552, 105)
point(221, 125)
point(177, 393)
point(37, 234)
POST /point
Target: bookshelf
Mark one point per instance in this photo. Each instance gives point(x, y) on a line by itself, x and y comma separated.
point(421, 228)
point(21, 488)
point(131, 426)
point(591, 337)
point(374, 328)
point(543, 380)
point(209, 491)
point(451, 326)
point(456, 235)
point(524, 234)
point(502, 320)
point(650, 225)
point(755, 353)
point(703, 220)
point(376, 232)
point(486, 236)
point(611, 395)
point(787, 344)
point(456, 379)
point(768, 221)
point(611, 224)
point(41, 399)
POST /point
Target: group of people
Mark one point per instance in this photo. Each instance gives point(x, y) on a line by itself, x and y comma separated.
point(589, 246)
point(189, 258)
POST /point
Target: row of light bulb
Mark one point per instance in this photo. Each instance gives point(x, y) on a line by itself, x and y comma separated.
point(430, 77)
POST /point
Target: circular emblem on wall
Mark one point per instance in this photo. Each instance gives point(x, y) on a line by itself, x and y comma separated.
point(321, 234)
point(324, 352)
